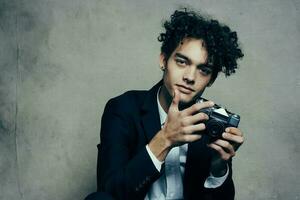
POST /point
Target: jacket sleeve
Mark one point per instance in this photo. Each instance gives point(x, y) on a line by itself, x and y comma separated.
point(224, 192)
point(198, 169)
point(120, 172)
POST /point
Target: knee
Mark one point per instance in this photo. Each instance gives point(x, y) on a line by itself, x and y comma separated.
point(99, 196)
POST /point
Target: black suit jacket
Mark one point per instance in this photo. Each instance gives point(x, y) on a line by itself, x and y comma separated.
point(125, 169)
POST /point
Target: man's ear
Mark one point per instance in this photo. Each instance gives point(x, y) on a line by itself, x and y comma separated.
point(162, 61)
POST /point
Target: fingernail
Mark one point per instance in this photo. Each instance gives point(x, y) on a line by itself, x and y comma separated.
point(224, 134)
point(211, 103)
point(227, 129)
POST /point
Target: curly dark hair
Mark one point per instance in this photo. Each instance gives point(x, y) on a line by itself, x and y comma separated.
point(221, 43)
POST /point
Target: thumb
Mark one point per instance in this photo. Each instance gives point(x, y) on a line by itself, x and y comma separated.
point(176, 99)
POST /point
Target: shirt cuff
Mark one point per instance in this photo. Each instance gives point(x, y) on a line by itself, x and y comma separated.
point(157, 163)
point(214, 182)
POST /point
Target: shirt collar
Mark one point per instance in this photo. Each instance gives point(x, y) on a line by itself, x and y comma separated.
point(162, 113)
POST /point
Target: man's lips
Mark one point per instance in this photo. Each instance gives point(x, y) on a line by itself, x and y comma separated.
point(185, 89)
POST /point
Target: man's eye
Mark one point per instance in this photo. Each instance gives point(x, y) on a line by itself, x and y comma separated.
point(181, 62)
point(205, 71)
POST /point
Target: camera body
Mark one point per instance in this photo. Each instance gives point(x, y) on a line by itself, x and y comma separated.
point(219, 120)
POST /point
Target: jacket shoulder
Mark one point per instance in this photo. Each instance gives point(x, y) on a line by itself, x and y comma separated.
point(128, 102)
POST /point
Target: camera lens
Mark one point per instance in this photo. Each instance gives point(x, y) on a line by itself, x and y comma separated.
point(215, 128)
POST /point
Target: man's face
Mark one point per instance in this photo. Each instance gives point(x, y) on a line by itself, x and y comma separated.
point(186, 69)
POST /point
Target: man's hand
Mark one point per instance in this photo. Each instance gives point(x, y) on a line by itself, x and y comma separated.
point(179, 127)
point(226, 149)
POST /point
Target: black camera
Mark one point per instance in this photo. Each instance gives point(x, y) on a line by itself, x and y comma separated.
point(219, 120)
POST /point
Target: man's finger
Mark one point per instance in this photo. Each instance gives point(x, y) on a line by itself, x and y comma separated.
point(224, 156)
point(193, 119)
point(197, 107)
point(233, 138)
point(193, 128)
point(175, 101)
point(234, 131)
point(191, 138)
point(227, 147)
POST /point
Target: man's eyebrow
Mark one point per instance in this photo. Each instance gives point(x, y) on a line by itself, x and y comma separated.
point(204, 65)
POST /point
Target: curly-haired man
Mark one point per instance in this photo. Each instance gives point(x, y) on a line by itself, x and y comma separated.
point(153, 143)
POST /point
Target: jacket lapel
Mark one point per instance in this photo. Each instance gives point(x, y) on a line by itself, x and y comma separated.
point(150, 114)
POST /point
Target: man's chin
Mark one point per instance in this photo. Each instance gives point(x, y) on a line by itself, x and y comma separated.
point(185, 104)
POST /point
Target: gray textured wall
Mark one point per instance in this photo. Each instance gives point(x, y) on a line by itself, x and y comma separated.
point(61, 60)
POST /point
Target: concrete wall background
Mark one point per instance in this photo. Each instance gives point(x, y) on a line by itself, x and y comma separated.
point(61, 60)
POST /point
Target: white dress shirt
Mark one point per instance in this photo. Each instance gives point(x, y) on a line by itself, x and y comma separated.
point(170, 184)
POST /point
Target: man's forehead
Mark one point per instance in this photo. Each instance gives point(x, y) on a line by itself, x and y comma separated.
point(193, 49)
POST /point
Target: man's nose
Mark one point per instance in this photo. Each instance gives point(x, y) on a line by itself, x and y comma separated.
point(189, 75)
